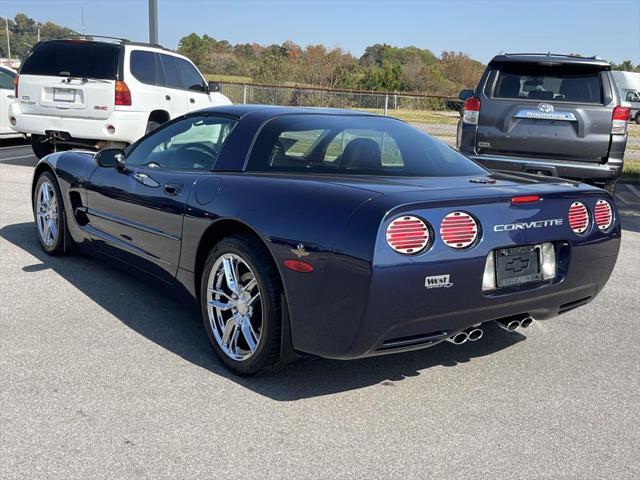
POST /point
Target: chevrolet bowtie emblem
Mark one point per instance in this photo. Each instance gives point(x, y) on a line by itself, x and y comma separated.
point(299, 251)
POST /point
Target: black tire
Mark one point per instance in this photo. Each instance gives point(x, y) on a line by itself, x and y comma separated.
point(62, 241)
point(638, 117)
point(610, 187)
point(267, 353)
point(41, 149)
point(151, 126)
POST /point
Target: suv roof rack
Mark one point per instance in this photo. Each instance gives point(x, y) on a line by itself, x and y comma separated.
point(550, 54)
point(75, 36)
point(122, 41)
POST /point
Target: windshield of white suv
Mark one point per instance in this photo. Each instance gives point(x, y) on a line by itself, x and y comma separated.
point(73, 58)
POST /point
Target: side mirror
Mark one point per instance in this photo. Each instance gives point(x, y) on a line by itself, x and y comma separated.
point(214, 87)
point(110, 157)
point(464, 94)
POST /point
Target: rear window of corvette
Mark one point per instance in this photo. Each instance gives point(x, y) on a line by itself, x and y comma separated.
point(353, 145)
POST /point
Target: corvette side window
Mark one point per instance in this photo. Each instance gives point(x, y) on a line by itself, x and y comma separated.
point(190, 144)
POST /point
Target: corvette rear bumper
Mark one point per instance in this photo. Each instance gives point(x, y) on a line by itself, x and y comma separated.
point(401, 314)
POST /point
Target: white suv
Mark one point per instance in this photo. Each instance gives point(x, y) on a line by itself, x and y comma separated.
point(103, 94)
point(7, 77)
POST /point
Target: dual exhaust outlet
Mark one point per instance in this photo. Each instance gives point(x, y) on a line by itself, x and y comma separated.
point(512, 324)
point(473, 334)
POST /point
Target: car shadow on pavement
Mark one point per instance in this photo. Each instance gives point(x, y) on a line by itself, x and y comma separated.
point(172, 320)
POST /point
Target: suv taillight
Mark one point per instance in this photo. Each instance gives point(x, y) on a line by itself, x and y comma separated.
point(123, 94)
point(16, 79)
point(471, 110)
point(619, 120)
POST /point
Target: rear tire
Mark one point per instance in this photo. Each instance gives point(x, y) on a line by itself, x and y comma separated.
point(610, 187)
point(49, 214)
point(245, 331)
point(151, 126)
point(638, 117)
point(41, 148)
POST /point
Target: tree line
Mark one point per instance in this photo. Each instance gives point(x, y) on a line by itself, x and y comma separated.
point(381, 67)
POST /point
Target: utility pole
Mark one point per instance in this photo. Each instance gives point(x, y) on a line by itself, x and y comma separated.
point(82, 13)
point(6, 25)
point(153, 21)
point(38, 34)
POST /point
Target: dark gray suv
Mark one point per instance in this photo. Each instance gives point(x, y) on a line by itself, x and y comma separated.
point(546, 114)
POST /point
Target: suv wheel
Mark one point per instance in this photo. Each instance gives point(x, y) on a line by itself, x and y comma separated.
point(240, 296)
point(41, 146)
point(151, 126)
point(638, 118)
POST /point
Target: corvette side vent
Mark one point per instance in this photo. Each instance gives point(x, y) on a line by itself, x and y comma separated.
point(603, 215)
point(408, 235)
point(578, 218)
point(459, 230)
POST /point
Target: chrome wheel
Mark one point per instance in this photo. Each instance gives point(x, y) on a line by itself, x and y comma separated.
point(234, 307)
point(47, 213)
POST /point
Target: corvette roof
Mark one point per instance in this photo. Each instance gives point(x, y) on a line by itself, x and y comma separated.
point(270, 111)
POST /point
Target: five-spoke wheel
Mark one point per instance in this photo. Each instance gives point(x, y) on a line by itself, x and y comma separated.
point(234, 306)
point(240, 299)
point(48, 211)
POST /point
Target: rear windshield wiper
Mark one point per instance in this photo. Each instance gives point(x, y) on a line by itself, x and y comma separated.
point(84, 79)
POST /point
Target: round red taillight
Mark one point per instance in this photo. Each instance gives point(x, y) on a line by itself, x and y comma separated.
point(578, 218)
point(459, 230)
point(603, 215)
point(408, 235)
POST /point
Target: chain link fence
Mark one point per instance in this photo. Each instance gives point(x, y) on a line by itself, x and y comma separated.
point(436, 115)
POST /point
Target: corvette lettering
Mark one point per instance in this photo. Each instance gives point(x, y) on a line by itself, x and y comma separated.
point(556, 222)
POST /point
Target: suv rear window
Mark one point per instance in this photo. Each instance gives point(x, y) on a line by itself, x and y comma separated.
point(557, 83)
point(73, 58)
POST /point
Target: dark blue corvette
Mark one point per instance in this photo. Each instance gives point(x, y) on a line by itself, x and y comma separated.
point(329, 232)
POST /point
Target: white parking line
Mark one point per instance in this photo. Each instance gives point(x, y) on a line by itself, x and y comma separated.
point(633, 189)
point(14, 146)
point(15, 158)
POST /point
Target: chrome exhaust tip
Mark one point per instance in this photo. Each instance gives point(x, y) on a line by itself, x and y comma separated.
point(526, 322)
point(459, 338)
point(508, 325)
point(475, 334)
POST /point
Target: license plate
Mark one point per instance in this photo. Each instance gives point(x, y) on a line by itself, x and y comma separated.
point(67, 95)
point(518, 265)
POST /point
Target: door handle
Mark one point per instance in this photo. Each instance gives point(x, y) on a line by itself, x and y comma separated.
point(145, 179)
point(192, 100)
point(173, 188)
point(167, 97)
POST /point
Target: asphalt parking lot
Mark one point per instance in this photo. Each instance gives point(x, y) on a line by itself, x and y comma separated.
point(105, 375)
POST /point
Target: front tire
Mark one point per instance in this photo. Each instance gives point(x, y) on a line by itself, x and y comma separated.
point(49, 214)
point(240, 299)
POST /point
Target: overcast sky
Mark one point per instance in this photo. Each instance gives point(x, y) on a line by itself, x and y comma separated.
point(609, 29)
